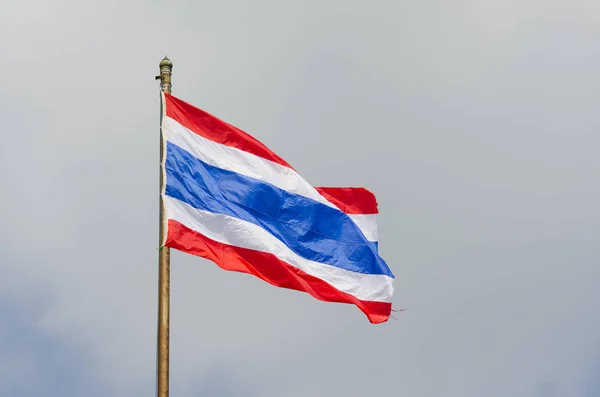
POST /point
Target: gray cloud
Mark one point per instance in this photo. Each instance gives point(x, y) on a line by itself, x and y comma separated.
point(473, 122)
point(36, 362)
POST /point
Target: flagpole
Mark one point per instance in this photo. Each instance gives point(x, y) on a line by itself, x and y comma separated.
point(164, 259)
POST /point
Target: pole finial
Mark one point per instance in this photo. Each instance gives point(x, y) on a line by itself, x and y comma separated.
point(166, 67)
point(166, 63)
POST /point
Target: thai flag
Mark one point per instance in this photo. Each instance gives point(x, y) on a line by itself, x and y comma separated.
point(230, 199)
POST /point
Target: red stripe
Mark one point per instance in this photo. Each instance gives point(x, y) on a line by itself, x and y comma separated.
point(351, 200)
point(267, 267)
point(210, 127)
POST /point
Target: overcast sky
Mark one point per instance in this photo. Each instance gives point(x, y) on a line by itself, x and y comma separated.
point(474, 122)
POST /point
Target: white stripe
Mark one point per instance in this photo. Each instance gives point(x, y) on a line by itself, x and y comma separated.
point(367, 223)
point(248, 164)
point(236, 232)
point(236, 160)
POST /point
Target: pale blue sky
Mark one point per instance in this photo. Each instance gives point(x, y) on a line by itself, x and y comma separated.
point(475, 124)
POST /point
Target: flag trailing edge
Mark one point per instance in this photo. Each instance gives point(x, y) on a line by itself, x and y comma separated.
point(230, 199)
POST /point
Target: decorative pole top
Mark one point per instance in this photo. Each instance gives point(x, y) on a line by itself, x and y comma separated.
point(166, 67)
point(166, 63)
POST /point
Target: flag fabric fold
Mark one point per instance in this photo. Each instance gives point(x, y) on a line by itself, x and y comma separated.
point(230, 199)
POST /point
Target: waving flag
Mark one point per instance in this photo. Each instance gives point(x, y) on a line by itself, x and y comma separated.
point(230, 199)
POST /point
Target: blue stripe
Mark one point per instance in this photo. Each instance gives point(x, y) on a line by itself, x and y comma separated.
point(312, 230)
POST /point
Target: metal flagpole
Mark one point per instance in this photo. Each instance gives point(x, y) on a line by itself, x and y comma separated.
point(164, 259)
